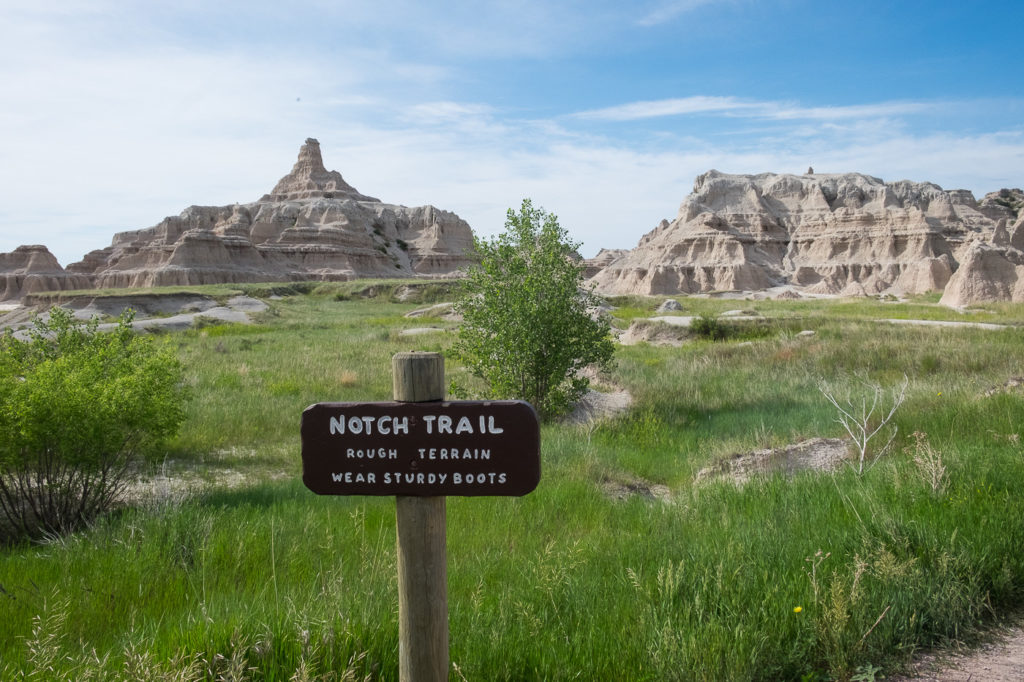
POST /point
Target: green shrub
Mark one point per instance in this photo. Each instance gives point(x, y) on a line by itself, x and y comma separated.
point(77, 408)
point(527, 331)
point(709, 327)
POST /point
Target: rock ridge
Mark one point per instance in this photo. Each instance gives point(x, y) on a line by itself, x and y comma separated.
point(32, 268)
point(840, 233)
point(312, 226)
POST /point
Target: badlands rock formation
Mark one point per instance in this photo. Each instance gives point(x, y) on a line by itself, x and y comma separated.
point(312, 226)
point(989, 271)
point(29, 269)
point(826, 233)
point(603, 259)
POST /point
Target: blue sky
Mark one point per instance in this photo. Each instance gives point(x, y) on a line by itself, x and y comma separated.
point(116, 114)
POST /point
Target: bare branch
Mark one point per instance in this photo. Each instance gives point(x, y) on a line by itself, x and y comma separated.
point(863, 427)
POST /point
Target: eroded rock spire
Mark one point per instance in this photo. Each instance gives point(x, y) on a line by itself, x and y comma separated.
point(309, 179)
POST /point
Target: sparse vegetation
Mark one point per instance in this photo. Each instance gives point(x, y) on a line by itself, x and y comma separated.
point(271, 582)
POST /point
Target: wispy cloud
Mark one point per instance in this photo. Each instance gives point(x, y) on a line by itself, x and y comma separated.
point(733, 106)
point(698, 104)
point(667, 11)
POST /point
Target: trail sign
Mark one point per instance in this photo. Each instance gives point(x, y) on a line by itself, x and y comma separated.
point(466, 448)
point(421, 449)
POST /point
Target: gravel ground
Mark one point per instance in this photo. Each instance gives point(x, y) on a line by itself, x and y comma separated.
point(999, 661)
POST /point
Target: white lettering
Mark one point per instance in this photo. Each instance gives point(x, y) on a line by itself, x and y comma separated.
point(492, 428)
point(355, 425)
point(429, 419)
point(379, 453)
point(444, 424)
point(402, 426)
point(480, 478)
point(338, 425)
point(464, 426)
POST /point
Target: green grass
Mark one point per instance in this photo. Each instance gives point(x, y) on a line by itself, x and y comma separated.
point(565, 582)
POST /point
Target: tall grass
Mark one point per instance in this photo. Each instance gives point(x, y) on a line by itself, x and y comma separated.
point(819, 575)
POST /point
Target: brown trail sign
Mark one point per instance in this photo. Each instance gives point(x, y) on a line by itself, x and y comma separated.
point(420, 449)
point(446, 448)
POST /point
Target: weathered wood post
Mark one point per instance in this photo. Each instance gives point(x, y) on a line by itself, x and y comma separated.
point(421, 448)
point(422, 549)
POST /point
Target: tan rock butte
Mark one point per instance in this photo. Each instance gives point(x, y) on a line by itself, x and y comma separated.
point(312, 226)
point(847, 234)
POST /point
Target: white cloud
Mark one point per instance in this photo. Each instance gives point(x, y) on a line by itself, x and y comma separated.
point(698, 104)
point(733, 106)
point(667, 11)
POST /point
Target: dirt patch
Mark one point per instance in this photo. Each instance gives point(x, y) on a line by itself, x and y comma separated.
point(595, 406)
point(173, 312)
point(816, 454)
point(656, 333)
point(445, 311)
point(175, 482)
point(1011, 384)
point(143, 305)
point(998, 661)
point(417, 331)
point(168, 488)
point(627, 487)
point(947, 323)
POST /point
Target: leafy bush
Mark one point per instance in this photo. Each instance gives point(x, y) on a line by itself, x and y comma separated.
point(713, 328)
point(709, 327)
point(527, 331)
point(77, 408)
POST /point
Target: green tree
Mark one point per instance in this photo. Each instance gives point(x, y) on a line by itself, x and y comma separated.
point(527, 330)
point(77, 409)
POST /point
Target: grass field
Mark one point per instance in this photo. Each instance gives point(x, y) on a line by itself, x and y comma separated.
point(815, 576)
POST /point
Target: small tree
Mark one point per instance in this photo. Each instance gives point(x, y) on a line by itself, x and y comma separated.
point(527, 331)
point(77, 408)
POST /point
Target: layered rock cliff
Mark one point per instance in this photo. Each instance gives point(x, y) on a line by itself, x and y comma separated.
point(32, 268)
point(312, 226)
point(846, 234)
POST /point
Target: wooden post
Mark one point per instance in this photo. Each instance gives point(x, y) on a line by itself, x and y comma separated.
point(422, 550)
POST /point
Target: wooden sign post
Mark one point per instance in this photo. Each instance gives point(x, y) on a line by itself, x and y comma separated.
point(422, 544)
point(420, 449)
